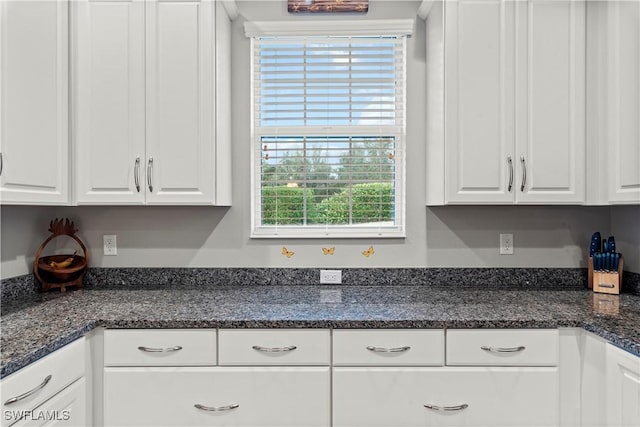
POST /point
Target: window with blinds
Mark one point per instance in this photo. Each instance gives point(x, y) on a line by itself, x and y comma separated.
point(329, 130)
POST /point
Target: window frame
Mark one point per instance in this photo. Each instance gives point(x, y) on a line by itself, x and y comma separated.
point(372, 28)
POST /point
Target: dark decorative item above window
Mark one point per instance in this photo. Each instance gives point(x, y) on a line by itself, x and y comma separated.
point(328, 6)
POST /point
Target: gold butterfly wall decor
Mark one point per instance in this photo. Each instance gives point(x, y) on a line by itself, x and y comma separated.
point(368, 252)
point(286, 252)
point(329, 251)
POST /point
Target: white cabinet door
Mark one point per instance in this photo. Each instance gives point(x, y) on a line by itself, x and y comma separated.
point(109, 103)
point(624, 103)
point(623, 388)
point(144, 92)
point(34, 159)
point(67, 408)
point(180, 101)
point(479, 101)
point(514, 102)
point(466, 397)
point(550, 101)
point(278, 397)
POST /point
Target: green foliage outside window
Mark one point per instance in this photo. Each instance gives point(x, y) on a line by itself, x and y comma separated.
point(370, 202)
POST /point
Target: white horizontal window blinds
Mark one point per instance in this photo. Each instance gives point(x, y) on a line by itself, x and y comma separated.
point(329, 129)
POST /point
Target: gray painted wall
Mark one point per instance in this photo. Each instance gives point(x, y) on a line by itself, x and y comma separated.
point(462, 236)
point(625, 226)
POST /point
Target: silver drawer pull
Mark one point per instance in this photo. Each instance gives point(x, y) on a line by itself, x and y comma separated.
point(274, 349)
point(159, 350)
point(216, 408)
point(606, 285)
point(30, 392)
point(388, 350)
point(503, 349)
point(447, 408)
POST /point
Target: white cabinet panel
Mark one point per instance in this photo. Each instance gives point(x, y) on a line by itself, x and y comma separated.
point(393, 347)
point(34, 103)
point(514, 103)
point(550, 101)
point(278, 397)
point(145, 100)
point(479, 100)
point(67, 408)
point(397, 396)
point(43, 378)
point(180, 101)
point(510, 347)
point(281, 347)
point(159, 347)
point(624, 104)
point(109, 104)
point(623, 388)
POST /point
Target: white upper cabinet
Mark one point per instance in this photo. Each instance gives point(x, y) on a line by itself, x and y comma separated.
point(180, 102)
point(109, 104)
point(34, 159)
point(145, 92)
point(624, 103)
point(514, 103)
point(550, 101)
point(479, 101)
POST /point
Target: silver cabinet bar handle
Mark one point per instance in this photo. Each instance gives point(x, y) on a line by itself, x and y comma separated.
point(216, 408)
point(447, 408)
point(274, 349)
point(30, 392)
point(1, 163)
point(160, 350)
point(606, 285)
point(388, 350)
point(503, 349)
point(524, 173)
point(136, 173)
point(150, 174)
point(510, 173)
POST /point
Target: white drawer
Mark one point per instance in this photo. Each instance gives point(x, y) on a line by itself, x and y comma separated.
point(476, 396)
point(510, 347)
point(159, 347)
point(388, 347)
point(274, 347)
point(266, 396)
point(62, 367)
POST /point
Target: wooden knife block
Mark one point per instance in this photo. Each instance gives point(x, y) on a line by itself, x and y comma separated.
point(605, 282)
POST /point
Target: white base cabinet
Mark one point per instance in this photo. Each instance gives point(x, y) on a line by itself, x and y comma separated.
point(67, 408)
point(51, 391)
point(456, 396)
point(247, 396)
point(623, 388)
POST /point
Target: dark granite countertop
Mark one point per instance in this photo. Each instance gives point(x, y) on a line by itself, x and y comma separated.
point(33, 326)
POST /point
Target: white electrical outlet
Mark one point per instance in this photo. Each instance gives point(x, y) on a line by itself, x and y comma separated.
point(109, 243)
point(331, 276)
point(506, 244)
